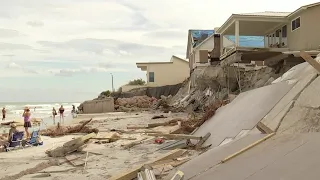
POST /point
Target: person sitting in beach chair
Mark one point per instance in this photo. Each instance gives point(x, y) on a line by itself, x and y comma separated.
point(35, 139)
point(13, 129)
point(14, 138)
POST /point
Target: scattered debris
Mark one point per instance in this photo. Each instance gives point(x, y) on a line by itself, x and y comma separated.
point(70, 146)
point(158, 117)
point(60, 130)
point(159, 140)
point(175, 136)
point(130, 145)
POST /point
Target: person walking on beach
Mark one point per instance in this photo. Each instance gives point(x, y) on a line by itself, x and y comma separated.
point(61, 111)
point(54, 113)
point(4, 114)
point(26, 117)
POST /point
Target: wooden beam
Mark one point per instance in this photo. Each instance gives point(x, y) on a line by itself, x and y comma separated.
point(175, 136)
point(202, 140)
point(132, 172)
point(247, 148)
point(70, 146)
point(310, 60)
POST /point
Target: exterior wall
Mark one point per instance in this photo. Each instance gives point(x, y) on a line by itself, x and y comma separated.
point(309, 31)
point(126, 88)
point(98, 106)
point(297, 38)
point(208, 45)
point(169, 73)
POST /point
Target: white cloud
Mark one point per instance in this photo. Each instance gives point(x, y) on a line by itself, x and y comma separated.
point(83, 36)
point(72, 71)
point(14, 65)
point(35, 23)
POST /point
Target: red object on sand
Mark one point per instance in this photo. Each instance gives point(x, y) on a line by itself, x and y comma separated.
point(159, 141)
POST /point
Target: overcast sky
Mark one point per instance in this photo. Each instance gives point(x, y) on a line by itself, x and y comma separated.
point(65, 50)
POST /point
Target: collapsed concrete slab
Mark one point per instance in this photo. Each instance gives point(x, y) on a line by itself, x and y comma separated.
point(243, 113)
point(303, 75)
point(214, 156)
point(305, 114)
point(293, 157)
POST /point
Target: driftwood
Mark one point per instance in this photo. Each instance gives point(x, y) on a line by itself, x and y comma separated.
point(63, 130)
point(70, 146)
point(134, 143)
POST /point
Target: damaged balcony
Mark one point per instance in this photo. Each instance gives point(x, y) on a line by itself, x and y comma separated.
point(253, 37)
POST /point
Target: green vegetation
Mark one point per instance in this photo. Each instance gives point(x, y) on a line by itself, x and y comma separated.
point(106, 93)
point(137, 82)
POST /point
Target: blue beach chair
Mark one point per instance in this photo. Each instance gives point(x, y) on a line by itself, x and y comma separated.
point(33, 139)
point(16, 141)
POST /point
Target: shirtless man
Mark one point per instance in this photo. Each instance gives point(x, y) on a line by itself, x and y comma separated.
point(3, 114)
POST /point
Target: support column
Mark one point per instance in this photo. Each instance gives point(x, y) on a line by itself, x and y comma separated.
point(237, 33)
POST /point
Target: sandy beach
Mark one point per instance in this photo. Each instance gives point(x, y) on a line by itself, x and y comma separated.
point(103, 161)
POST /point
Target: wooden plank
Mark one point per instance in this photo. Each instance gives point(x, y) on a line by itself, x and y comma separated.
point(137, 127)
point(132, 173)
point(202, 140)
point(70, 146)
point(310, 60)
point(176, 136)
point(247, 148)
point(134, 143)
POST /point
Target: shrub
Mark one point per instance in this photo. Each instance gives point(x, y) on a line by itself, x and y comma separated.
point(137, 82)
point(106, 93)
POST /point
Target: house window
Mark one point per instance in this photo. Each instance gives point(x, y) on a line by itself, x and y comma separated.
point(151, 76)
point(295, 24)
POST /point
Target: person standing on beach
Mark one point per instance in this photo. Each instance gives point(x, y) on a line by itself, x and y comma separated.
point(54, 113)
point(61, 111)
point(26, 117)
point(4, 114)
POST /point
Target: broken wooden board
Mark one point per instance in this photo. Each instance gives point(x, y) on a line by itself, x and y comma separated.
point(175, 136)
point(132, 173)
point(134, 143)
point(171, 162)
point(310, 60)
point(202, 140)
point(70, 146)
point(75, 160)
point(137, 127)
point(179, 175)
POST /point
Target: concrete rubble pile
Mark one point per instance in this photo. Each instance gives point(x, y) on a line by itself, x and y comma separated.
point(135, 102)
point(212, 84)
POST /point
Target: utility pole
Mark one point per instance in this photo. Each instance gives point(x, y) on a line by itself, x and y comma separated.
point(112, 82)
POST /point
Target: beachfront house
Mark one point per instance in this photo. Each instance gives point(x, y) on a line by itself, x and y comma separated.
point(282, 34)
point(165, 73)
point(203, 46)
point(200, 43)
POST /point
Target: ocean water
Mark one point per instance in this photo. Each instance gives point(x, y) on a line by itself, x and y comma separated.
point(38, 110)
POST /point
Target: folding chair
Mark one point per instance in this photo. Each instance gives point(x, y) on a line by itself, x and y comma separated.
point(34, 139)
point(16, 140)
